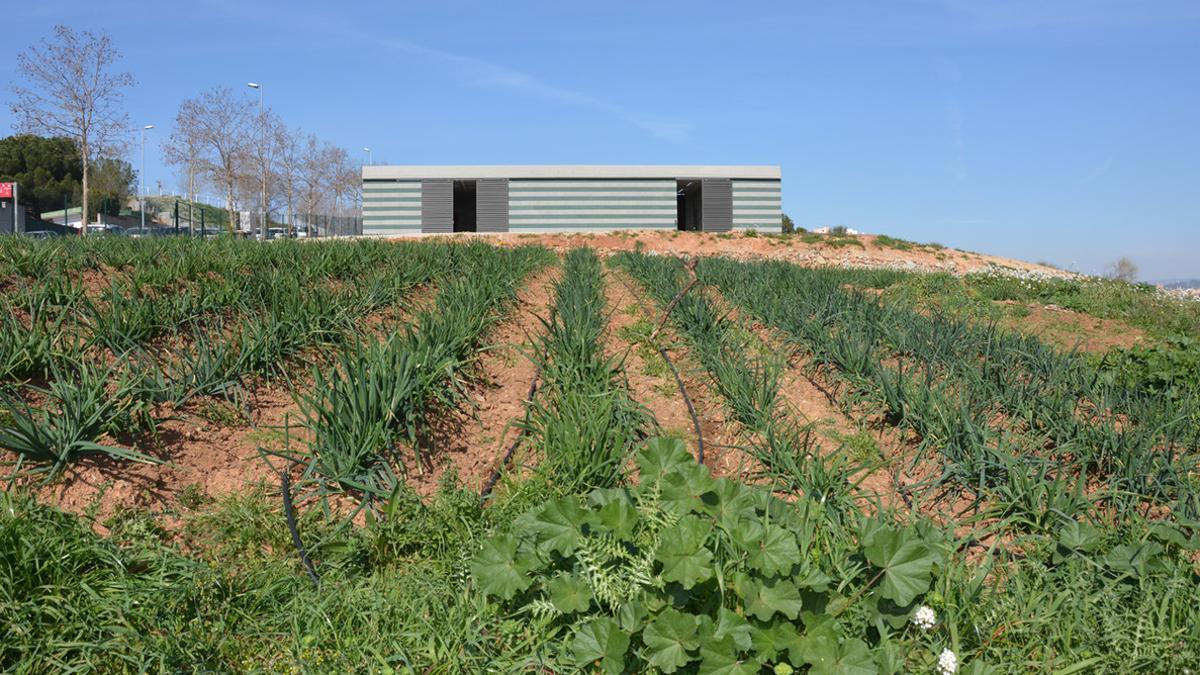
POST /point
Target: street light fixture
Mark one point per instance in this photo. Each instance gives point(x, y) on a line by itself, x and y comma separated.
point(262, 150)
point(370, 157)
point(142, 180)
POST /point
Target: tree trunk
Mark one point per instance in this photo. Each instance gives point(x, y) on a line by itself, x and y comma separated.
point(83, 209)
point(229, 205)
point(191, 198)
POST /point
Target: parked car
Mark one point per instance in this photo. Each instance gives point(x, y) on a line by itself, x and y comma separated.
point(105, 228)
point(42, 234)
point(138, 232)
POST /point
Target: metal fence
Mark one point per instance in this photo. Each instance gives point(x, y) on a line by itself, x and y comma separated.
point(323, 225)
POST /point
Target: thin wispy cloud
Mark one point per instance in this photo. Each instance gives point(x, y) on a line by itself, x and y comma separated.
point(470, 70)
point(479, 72)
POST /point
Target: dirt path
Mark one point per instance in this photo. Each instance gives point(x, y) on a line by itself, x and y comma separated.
point(471, 440)
point(653, 385)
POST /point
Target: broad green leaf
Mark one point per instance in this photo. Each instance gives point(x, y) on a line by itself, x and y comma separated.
point(1138, 560)
point(1077, 536)
point(684, 489)
point(682, 552)
point(733, 500)
point(557, 526)
point(632, 615)
point(773, 551)
point(1168, 533)
point(569, 594)
point(670, 638)
point(763, 599)
point(734, 626)
point(620, 517)
point(660, 457)
point(905, 560)
point(496, 569)
point(601, 641)
point(851, 657)
point(721, 657)
point(820, 640)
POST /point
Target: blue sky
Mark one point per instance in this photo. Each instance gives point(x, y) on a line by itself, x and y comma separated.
point(1065, 131)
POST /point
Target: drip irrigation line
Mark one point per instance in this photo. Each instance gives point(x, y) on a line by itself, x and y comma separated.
point(495, 477)
point(663, 352)
point(690, 266)
point(691, 410)
point(289, 512)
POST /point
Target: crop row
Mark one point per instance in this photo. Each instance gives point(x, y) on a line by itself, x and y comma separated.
point(747, 377)
point(381, 394)
point(105, 361)
point(584, 424)
point(1003, 414)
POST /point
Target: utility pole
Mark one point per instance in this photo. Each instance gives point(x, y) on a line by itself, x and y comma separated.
point(142, 179)
point(262, 156)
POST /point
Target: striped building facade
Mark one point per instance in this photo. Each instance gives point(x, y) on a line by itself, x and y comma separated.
point(391, 207)
point(400, 200)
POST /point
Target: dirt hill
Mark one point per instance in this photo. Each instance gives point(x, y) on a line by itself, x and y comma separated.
point(806, 249)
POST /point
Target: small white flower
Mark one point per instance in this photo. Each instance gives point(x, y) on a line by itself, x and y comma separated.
point(924, 617)
point(947, 663)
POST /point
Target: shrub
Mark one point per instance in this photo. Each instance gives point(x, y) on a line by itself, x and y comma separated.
point(685, 571)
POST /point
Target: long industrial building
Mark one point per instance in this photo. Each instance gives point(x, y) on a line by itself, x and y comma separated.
point(399, 200)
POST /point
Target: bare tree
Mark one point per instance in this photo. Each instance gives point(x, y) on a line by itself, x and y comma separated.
point(219, 124)
point(185, 149)
point(314, 174)
point(1123, 269)
point(289, 156)
point(264, 151)
point(70, 90)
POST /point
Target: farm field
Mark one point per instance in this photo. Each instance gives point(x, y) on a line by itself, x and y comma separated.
point(591, 454)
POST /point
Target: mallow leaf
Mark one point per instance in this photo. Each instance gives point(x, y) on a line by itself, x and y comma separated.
point(905, 560)
point(763, 599)
point(556, 525)
point(601, 641)
point(660, 457)
point(850, 657)
point(682, 553)
point(497, 570)
point(773, 550)
point(684, 489)
point(670, 638)
point(569, 594)
point(720, 657)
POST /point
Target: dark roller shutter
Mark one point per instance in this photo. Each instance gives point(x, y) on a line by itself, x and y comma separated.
point(491, 205)
point(716, 204)
point(437, 205)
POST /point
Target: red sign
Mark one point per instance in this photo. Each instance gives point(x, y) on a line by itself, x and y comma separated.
point(6, 190)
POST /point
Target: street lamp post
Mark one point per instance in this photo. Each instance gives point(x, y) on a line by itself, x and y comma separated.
point(370, 157)
point(142, 180)
point(262, 153)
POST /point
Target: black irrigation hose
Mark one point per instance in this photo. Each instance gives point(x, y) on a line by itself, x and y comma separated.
point(688, 401)
point(678, 380)
point(495, 477)
point(289, 511)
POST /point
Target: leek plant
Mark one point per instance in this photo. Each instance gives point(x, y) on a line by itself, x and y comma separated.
point(585, 423)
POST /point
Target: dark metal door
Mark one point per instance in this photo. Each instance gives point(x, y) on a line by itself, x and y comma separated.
point(716, 204)
point(491, 205)
point(437, 205)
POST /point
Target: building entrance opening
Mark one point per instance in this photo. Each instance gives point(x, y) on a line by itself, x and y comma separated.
point(687, 205)
point(464, 206)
